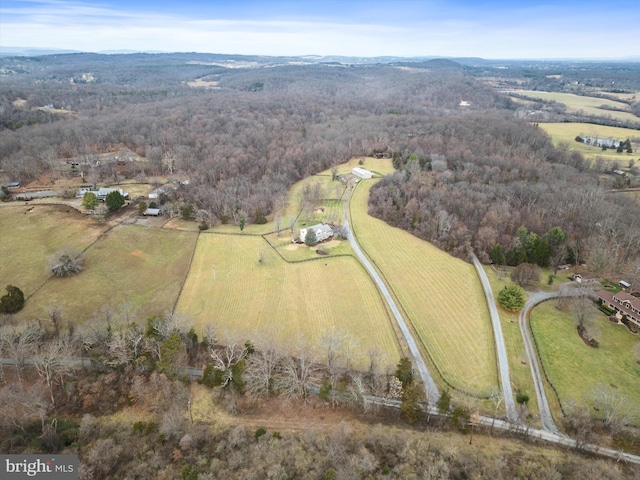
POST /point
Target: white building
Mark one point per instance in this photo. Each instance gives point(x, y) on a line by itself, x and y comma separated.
point(362, 173)
point(321, 230)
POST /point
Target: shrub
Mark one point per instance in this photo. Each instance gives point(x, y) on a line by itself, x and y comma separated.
point(13, 301)
point(260, 432)
point(511, 298)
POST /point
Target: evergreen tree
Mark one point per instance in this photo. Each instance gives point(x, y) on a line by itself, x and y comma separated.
point(411, 405)
point(404, 371)
point(13, 301)
point(310, 238)
point(512, 298)
point(90, 201)
point(497, 255)
point(114, 200)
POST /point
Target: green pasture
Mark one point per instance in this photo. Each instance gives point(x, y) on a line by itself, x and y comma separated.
point(575, 368)
point(441, 297)
point(245, 290)
point(142, 267)
point(32, 234)
point(567, 132)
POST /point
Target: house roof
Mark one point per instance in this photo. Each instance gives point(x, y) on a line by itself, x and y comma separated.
point(361, 171)
point(625, 297)
point(322, 228)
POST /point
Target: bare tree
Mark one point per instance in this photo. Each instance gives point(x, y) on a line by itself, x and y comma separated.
point(66, 262)
point(579, 423)
point(617, 410)
point(297, 372)
point(584, 317)
point(497, 397)
point(20, 345)
point(22, 404)
point(226, 357)
point(54, 359)
point(262, 366)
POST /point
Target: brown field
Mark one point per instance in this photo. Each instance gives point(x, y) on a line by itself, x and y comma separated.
point(141, 267)
point(243, 298)
point(441, 296)
point(31, 234)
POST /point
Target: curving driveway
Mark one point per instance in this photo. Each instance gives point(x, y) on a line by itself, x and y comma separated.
point(501, 351)
point(535, 298)
point(431, 389)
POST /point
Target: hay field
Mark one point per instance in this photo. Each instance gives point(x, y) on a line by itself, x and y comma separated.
point(246, 299)
point(32, 234)
point(441, 295)
point(567, 132)
point(140, 266)
point(576, 369)
point(588, 105)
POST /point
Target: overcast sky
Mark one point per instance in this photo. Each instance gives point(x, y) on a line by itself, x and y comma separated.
point(458, 28)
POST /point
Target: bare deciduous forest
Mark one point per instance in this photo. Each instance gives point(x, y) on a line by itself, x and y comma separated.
point(471, 176)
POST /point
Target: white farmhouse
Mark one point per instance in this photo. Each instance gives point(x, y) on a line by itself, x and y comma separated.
point(321, 230)
point(362, 173)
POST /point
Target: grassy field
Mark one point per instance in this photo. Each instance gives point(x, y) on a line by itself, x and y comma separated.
point(441, 295)
point(588, 105)
point(574, 368)
point(567, 132)
point(246, 299)
point(519, 368)
point(140, 266)
point(32, 234)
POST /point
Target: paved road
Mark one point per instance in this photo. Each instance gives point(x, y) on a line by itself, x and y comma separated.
point(501, 351)
point(431, 389)
point(546, 419)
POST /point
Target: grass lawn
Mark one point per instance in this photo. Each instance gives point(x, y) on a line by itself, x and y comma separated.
point(245, 299)
point(567, 132)
point(32, 234)
point(141, 266)
point(441, 296)
point(574, 368)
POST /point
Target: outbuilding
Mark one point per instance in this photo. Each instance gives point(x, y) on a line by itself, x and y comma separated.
point(624, 284)
point(13, 185)
point(362, 173)
point(152, 212)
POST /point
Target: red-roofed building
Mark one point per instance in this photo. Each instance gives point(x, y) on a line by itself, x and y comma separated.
point(623, 303)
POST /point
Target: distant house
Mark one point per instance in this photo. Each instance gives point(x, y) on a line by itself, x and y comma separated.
point(152, 212)
point(362, 173)
point(321, 230)
point(103, 192)
point(464, 103)
point(623, 304)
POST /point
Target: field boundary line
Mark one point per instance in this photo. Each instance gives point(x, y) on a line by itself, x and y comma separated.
point(410, 322)
point(186, 275)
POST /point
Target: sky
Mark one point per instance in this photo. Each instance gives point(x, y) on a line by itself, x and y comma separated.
point(499, 29)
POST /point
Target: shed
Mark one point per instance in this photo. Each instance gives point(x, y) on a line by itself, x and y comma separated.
point(13, 185)
point(624, 284)
point(362, 173)
point(152, 212)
